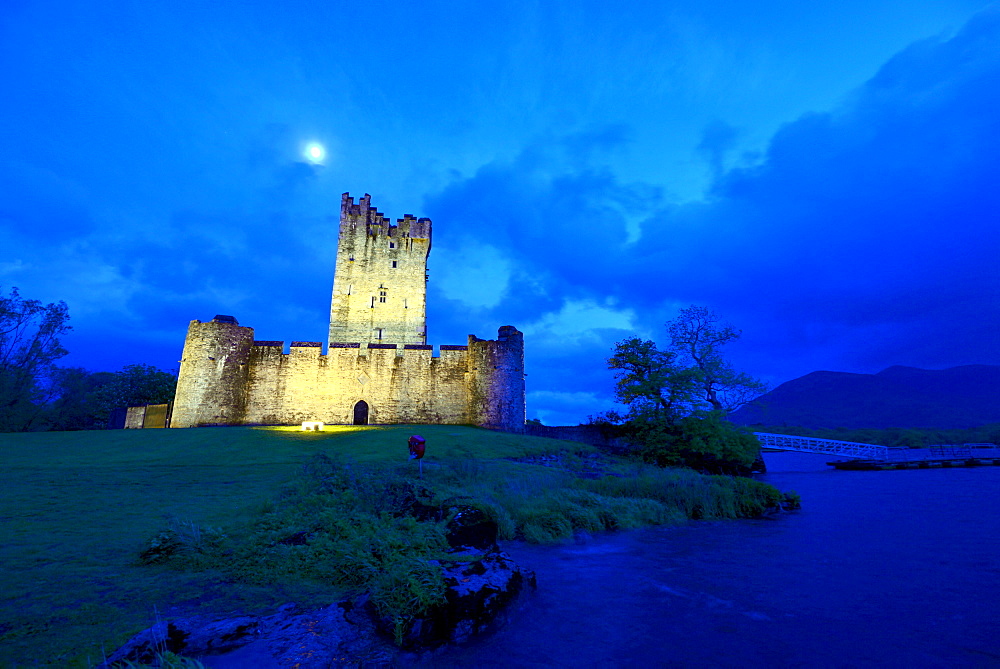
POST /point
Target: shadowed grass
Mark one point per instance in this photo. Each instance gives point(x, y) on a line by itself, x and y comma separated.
point(75, 508)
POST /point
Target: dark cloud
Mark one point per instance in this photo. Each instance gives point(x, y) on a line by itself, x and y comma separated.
point(864, 237)
point(879, 219)
point(554, 208)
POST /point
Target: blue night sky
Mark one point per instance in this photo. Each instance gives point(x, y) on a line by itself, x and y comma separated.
point(819, 174)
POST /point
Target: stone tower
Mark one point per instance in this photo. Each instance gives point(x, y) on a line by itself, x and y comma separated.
point(212, 383)
point(380, 281)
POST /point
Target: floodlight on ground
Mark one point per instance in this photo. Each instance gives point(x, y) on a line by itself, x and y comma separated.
point(312, 426)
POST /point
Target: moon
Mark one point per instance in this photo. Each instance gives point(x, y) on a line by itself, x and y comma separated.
point(315, 152)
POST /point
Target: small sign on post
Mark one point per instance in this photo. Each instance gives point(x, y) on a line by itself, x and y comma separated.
point(417, 446)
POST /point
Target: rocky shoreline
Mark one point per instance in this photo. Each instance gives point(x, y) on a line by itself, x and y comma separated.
point(481, 582)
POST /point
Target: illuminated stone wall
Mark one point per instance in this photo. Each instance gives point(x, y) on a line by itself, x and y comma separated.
point(481, 383)
point(400, 385)
point(212, 382)
point(133, 417)
point(380, 281)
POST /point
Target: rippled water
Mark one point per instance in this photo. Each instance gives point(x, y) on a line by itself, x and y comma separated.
point(888, 569)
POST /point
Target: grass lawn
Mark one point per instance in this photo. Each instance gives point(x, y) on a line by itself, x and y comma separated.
point(75, 507)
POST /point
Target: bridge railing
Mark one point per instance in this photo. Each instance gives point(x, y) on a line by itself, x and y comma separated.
point(787, 442)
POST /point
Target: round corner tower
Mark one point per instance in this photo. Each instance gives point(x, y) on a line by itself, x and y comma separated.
point(212, 382)
point(496, 380)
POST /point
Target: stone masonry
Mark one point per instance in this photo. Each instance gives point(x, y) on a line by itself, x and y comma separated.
point(377, 368)
point(380, 283)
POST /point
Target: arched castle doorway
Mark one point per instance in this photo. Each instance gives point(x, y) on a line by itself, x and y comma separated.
point(361, 413)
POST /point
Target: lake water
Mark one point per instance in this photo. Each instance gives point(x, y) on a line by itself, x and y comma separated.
point(879, 569)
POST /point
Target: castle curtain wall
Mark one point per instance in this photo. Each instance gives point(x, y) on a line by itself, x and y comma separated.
point(254, 383)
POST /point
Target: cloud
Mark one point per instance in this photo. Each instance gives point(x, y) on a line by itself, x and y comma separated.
point(562, 408)
point(717, 139)
point(548, 226)
point(878, 220)
point(473, 273)
point(554, 201)
point(864, 236)
point(578, 320)
point(12, 267)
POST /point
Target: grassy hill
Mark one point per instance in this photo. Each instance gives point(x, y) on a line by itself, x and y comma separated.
point(897, 397)
point(76, 508)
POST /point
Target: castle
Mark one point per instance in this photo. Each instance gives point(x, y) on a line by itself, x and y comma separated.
point(378, 367)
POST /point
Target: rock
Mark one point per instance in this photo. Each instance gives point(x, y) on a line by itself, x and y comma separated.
point(469, 527)
point(341, 634)
point(186, 636)
point(479, 591)
point(478, 594)
point(337, 634)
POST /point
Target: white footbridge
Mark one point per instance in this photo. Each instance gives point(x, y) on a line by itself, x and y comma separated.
point(787, 442)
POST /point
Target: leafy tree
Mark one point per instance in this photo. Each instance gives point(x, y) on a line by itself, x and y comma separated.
point(678, 397)
point(697, 337)
point(650, 381)
point(76, 406)
point(134, 385)
point(29, 347)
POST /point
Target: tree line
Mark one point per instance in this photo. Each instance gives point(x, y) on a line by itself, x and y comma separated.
point(894, 437)
point(37, 394)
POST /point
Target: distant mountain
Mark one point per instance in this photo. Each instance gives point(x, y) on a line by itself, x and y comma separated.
point(959, 397)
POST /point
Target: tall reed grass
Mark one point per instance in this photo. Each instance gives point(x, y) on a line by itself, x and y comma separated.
point(350, 523)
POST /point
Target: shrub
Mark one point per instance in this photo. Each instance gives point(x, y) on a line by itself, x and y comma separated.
point(703, 441)
point(405, 589)
point(182, 540)
point(546, 527)
point(791, 501)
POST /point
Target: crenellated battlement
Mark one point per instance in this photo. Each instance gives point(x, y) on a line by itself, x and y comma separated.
point(229, 378)
point(355, 216)
point(362, 208)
